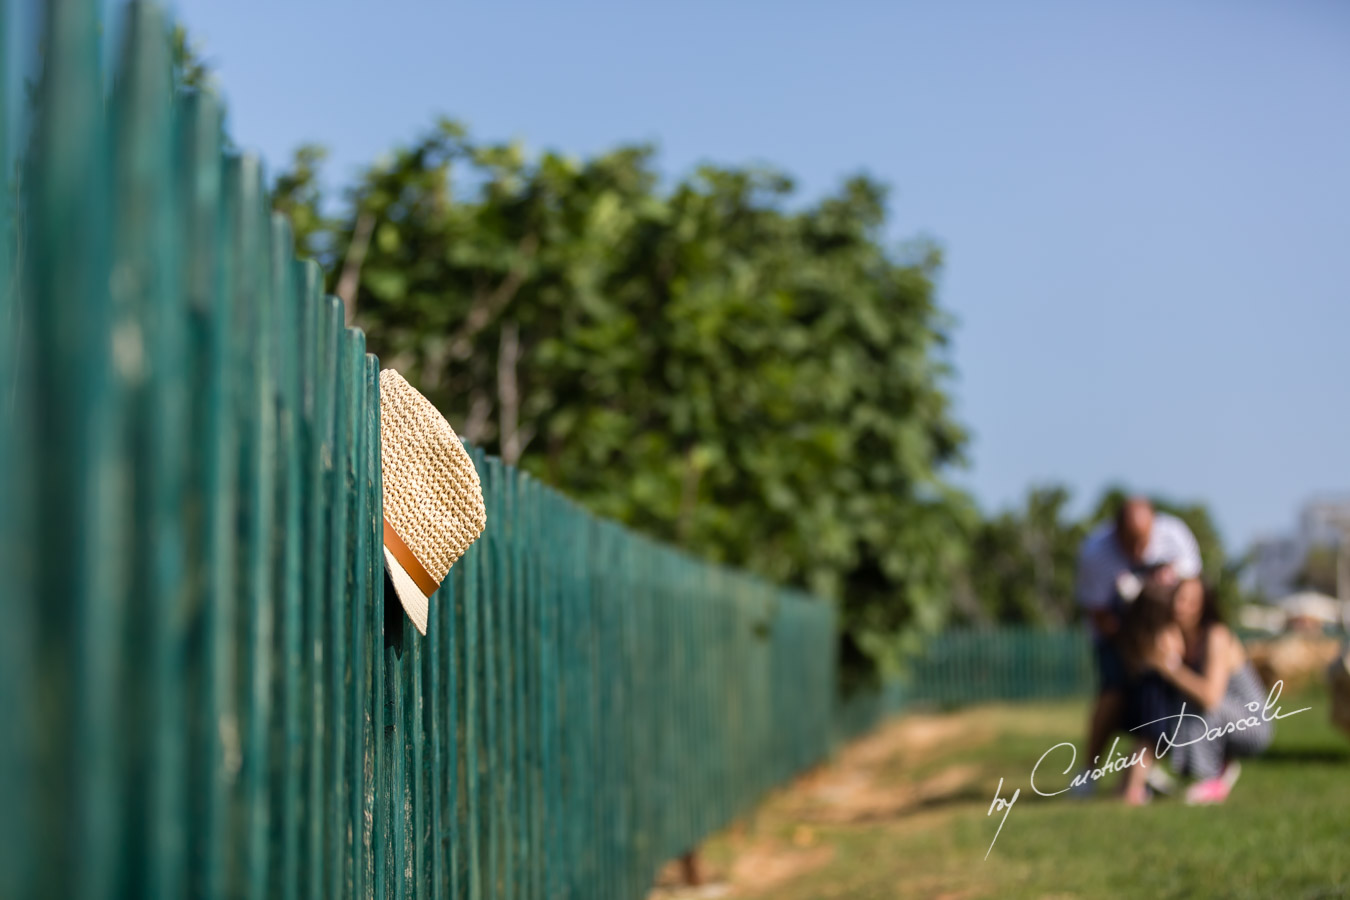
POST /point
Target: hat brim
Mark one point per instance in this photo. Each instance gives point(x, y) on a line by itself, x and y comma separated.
point(415, 603)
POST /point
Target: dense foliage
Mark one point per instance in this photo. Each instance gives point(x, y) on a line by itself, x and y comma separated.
point(759, 381)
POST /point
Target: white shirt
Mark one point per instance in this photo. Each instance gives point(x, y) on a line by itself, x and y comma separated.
point(1101, 561)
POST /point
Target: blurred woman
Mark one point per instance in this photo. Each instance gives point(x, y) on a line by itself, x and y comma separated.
point(1206, 667)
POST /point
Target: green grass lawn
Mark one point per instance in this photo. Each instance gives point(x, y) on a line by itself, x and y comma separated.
point(1284, 833)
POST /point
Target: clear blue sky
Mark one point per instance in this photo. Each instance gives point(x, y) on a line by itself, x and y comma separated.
point(1145, 206)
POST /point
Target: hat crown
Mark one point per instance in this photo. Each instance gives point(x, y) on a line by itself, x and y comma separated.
point(432, 495)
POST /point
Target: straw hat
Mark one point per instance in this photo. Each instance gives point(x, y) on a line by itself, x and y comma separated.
point(433, 501)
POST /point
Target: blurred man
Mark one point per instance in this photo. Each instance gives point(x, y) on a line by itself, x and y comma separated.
point(1115, 563)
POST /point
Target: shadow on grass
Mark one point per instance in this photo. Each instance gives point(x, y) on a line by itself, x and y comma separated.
point(971, 793)
point(1303, 755)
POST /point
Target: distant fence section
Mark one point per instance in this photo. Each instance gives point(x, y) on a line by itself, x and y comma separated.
point(962, 667)
point(205, 693)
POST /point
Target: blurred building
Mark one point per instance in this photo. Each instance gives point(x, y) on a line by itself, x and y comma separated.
point(1277, 561)
point(1322, 522)
point(1274, 568)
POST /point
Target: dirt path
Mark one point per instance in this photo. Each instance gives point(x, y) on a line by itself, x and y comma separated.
point(893, 776)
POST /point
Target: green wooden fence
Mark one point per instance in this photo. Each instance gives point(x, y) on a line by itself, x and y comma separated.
point(205, 690)
point(959, 668)
point(962, 667)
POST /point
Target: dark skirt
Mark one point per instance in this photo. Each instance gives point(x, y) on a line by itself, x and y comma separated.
point(1151, 706)
point(1150, 698)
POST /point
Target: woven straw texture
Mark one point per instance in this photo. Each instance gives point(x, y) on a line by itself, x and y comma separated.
point(432, 495)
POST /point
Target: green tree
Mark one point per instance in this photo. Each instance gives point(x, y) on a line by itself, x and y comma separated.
point(760, 381)
point(297, 193)
point(1318, 572)
point(190, 69)
point(1023, 562)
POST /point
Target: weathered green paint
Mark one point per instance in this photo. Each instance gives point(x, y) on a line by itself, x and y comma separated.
point(210, 693)
point(17, 635)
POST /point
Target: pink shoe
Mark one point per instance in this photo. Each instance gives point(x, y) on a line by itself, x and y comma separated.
point(1213, 790)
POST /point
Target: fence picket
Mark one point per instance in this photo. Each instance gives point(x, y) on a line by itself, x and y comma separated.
point(214, 694)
